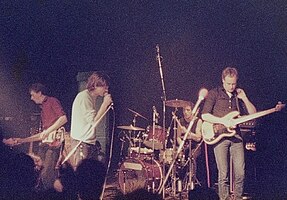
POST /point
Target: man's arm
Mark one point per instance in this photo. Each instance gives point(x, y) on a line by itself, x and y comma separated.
point(59, 123)
point(106, 102)
point(208, 108)
point(44, 134)
point(249, 106)
point(194, 136)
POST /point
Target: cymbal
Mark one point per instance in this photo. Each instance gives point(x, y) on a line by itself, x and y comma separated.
point(131, 128)
point(177, 103)
point(137, 114)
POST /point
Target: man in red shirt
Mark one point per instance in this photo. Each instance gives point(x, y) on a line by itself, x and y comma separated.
point(53, 118)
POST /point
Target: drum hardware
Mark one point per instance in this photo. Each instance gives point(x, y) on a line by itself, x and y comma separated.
point(177, 153)
point(192, 179)
point(174, 180)
point(136, 114)
point(131, 134)
point(168, 156)
point(155, 117)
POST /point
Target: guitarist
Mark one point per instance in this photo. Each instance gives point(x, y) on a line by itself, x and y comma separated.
point(219, 102)
point(52, 118)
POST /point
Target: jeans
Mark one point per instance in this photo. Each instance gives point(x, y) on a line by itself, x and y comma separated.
point(230, 147)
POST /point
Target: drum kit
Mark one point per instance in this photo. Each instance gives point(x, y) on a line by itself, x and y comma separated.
point(151, 151)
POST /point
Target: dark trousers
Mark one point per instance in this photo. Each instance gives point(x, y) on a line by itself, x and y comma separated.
point(49, 158)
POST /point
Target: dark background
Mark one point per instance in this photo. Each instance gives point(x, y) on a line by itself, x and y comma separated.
point(51, 41)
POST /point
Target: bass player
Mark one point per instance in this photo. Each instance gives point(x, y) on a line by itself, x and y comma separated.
point(219, 102)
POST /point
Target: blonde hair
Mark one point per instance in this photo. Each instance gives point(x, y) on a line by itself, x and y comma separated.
point(229, 71)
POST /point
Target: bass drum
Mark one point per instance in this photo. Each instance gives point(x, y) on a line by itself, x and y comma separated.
point(135, 174)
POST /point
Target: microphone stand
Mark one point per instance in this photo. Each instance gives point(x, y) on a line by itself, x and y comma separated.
point(93, 127)
point(163, 98)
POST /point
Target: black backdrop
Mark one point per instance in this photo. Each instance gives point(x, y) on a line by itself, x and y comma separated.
point(51, 41)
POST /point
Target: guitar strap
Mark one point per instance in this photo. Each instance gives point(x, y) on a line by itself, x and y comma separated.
point(237, 104)
point(238, 109)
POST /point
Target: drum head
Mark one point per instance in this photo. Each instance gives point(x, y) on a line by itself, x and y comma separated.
point(131, 175)
point(135, 174)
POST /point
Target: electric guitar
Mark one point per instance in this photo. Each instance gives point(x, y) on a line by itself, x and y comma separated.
point(54, 139)
point(214, 132)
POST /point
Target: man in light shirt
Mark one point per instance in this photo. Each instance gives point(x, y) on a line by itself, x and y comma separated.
point(85, 117)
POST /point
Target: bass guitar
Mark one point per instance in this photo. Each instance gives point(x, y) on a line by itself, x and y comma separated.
point(214, 132)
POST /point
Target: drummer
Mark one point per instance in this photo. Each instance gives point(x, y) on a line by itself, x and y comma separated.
point(194, 136)
point(195, 133)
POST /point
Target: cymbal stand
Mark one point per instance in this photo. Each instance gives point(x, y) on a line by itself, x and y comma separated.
point(154, 121)
point(173, 174)
point(177, 153)
point(163, 98)
point(192, 179)
point(122, 149)
point(132, 136)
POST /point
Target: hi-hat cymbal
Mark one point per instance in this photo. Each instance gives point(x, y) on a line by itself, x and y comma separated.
point(131, 128)
point(137, 114)
point(177, 103)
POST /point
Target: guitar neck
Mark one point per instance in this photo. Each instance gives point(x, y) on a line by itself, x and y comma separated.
point(33, 138)
point(254, 116)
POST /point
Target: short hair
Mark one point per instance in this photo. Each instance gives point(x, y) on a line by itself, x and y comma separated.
point(229, 71)
point(190, 104)
point(98, 79)
point(38, 87)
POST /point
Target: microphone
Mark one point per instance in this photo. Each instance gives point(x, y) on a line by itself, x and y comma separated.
point(155, 111)
point(157, 48)
point(112, 105)
point(157, 52)
point(156, 114)
point(201, 96)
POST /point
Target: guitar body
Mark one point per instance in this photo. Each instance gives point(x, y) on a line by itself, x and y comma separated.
point(55, 138)
point(213, 133)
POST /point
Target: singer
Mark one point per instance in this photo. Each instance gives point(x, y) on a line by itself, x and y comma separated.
point(221, 101)
point(84, 117)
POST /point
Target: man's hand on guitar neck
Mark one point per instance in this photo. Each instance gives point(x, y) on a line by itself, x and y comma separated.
point(33, 138)
point(43, 135)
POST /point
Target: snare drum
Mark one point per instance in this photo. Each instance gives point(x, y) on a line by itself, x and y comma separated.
point(135, 174)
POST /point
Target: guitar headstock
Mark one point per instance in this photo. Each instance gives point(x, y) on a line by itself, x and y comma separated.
point(11, 142)
point(279, 106)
